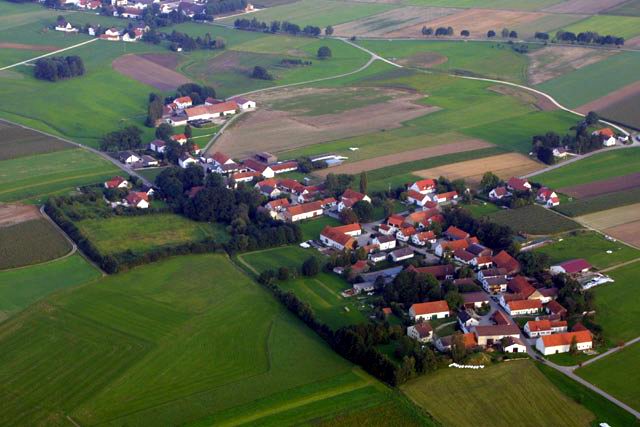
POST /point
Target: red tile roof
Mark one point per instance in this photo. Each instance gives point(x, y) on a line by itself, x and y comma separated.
point(425, 184)
point(115, 182)
point(305, 208)
point(525, 304)
point(506, 261)
point(606, 132)
point(336, 236)
point(220, 157)
point(520, 285)
point(284, 166)
point(519, 184)
point(395, 220)
point(554, 307)
point(565, 338)
point(135, 197)
point(416, 196)
point(211, 109)
point(455, 232)
point(440, 272)
point(447, 196)
point(183, 100)
point(430, 307)
point(278, 203)
point(349, 228)
point(242, 175)
point(575, 265)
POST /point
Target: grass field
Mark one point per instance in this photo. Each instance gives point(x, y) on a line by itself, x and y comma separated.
point(619, 26)
point(595, 168)
point(519, 395)
point(311, 229)
point(33, 178)
point(22, 287)
point(143, 233)
point(593, 81)
point(629, 8)
point(151, 173)
point(19, 142)
point(106, 344)
point(534, 219)
point(30, 242)
point(617, 374)
point(489, 4)
point(600, 203)
point(602, 408)
point(590, 246)
point(616, 308)
point(291, 257)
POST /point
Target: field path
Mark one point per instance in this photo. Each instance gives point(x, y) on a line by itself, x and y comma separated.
point(48, 54)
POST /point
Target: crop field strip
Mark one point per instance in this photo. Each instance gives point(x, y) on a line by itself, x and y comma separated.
point(534, 219)
point(19, 142)
point(599, 203)
point(31, 242)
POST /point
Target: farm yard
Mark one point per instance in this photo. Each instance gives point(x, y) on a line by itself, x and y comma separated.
point(136, 323)
point(519, 391)
point(534, 220)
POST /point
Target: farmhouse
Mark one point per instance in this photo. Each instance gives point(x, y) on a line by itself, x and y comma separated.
point(561, 343)
point(607, 135)
point(384, 242)
point(506, 261)
point(208, 112)
point(350, 198)
point(116, 182)
point(547, 197)
point(518, 184)
point(406, 232)
point(307, 210)
point(574, 266)
point(401, 254)
point(340, 237)
point(276, 206)
point(443, 344)
point(158, 145)
point(221, 159)
point(419, 199)
point(244, 104)
point(513, 345)
point(421, 332)
point(112, 34)
point(183, 102)
point(522, 307)
point(440, 272)
point(489, 335)
point(537, 328)
point(137, 199)
point(451, 246)
point(429, 310)
point(283, 167)
point(499, 193)
point(425, 186)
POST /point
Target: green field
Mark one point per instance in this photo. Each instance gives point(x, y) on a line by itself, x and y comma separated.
point(31, 242)
point(599, 203)
point(33, 178)
point(616, 305)
point(534, 219)
point(595, 168)
point(103, 346)
point(291, 257)
point(150, 173)
point(508, 394)
point(619, 26)
point(593, 81)
point(590, 246)
point(19, 142)
point(22, 287)
point(630, 8)
point(318, 12)
point(617, 374)
point(143, 233)
point(489, 4)
point(311, 229)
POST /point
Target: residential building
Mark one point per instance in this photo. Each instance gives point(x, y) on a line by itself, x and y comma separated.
point(422, 332)
point(518, 184)
point(429, 310)
point(522, 307)
point(548, 197)
point(185, 160)
point(536, 328)
point(424, 237)
point(137, 199)
point(244, 103)
point(607, 135)
point(506, 261)
point(447, 197)
point(350, 198)
point(116, 182)
point(296, 213)
point(425, 186)
point(561, 343)
point(384, 242)
point(158, 145)
point(401, 254)
point(499, 193)
point(419, 199)
point(475, 299)
point(466, 321)
point(454, 233)
point(128, 157)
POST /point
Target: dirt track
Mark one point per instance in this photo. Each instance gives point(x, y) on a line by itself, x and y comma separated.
point(21, 46)
point(406, 156)
point(149, 72)
point(629, 91)
point(537, 100)
point(611, 185)
point(15, 214)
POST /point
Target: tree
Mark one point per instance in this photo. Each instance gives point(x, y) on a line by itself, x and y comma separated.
point(329, 30)
point(363, 210)
point(465, 33)
point(164, 132)
point(513, 35)
point(573, 347)
point(592, 118)
point(363, 182)
point(283, 274)
point(154, 110)
point(533, 262)
point(505, 33)
point(542, 36)
point(489, 181)
point(126, 139)
point(311, 266)
point(188, 132)
point(387, 207)
point(261, 73)
point(491, 34)
point(458, 349)
point(348, 216)
point(324, 52)
point(427, 31)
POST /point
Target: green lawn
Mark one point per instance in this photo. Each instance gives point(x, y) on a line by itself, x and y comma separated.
point(480, 208)
point(311, 228)
point(22, 287)
point(616, 305)
point(143, 233)
point(33, 178)
point(507, 394)
point(534, 219)
point(151, 173)
point(619, 26)
point(31, 242)
point(595, 168)
point(152, 347)
point(590, 246)
point(617, 374)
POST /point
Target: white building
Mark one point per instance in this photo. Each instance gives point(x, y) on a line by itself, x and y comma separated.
point(422, 332)
point(429, 310)
point(561, 343)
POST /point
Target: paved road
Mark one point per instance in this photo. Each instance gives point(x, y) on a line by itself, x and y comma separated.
point(48, 54)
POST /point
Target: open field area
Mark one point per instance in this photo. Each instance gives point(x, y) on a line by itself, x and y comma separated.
point(601, 166)
point(146, 232)
point(623, 223)
point(591, 246)
point(30, 242)
point(616, 308)
point(290, 257)
point(629, 8)
point(21, 287)
point(150, 72)
point(612, 185)
point(18, 142)
point(33, 178)
point(600, 203)
point(584, 6)
point(503, 165)
point(520, 395)
point(311, 229)
point(489, 4)
point(619, 26)
point(617, 374)
point(120, 332)
point(533, 219)
point(622, 105)
point(554, 61)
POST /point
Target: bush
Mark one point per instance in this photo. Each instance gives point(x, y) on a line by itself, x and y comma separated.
point(261, 73)
point(324, 52)
point(311, 267)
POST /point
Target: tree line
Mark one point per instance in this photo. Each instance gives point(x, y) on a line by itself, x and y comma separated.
point(128, 138)
point(59, 68)
point(589, 37)
point(278, 27)
point(188, 43)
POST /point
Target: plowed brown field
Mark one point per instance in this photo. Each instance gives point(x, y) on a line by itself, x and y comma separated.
point(149, 72)
point(602, 187)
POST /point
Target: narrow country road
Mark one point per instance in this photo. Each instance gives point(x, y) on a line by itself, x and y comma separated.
point(48, 54)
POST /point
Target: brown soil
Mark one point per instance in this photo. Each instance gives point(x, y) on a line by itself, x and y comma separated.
point(476, 21)
point(406, 156)
point(503, 165)
point(612, 217)
point(167, 60)
point(629, 91)
point(531, 98)
point(20, 46)
point(149, 72)
point(583, 6)
point(275, 131)
point(591, 189)
point(633, 43)
point(629, 232)
point(15, 214)
point(424, 60)
point(554, 61)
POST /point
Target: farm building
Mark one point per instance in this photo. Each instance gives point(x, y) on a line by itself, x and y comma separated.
point(466, 321)
point(440, 272)
point(425, 186)
point(244, 103)
point(429, 310)
point(492, 334)
point(513, 345)
point(522, 307)
point(518, 184)
point(137, 199)
point(554, 308)
point(561, 343)
point(454, 233)
point(443, 344)
point(475, 299)
point(506, 261)
point(341, 237)
point(183, 102)
point(447, 197)
point(537, 328)
point(574, 266)
point(422, 332)
point(401, 254)
point(208, 112)
point(307, 210)
point(128, 157)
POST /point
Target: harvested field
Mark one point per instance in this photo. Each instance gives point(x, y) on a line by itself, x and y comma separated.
point(17, 141)
point(626, 111)
point(392, 21)
point(149, 72)
point(167, 60)
point(633, 43)
point(503, 165)
point(537, 100)
point(629, 232)
point(22, 46)
point(15, 214)
point(406, 156)
point(477, 21)
point(600, 104)
point(596, 188)
point(424, 60)
point(612, 217)
point(276, 131)
point(583, 6)
point(554, 61)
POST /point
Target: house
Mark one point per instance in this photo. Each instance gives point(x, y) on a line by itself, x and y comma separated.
point(112, 34)
point(130, 13)
point(454, 233)
point(574, 266)
point(180, 138)
point(421, 332)
point(607, 135)
point(518, 184)
point(481, 262)
point(522, 307)
point(424, 237)
point(128, 157)
point(466, 321)
point(521, 286)
point(463, 257)
point(548, 294)
point(377, 257)
point(506, 261)
point(440, 272)
point(276, 206)
point(425, 186)
point(537, 328)
point(423, 219)
point(499, 193)
point(269, 191)
point(65, 27)
point(443, 344)
point(158, 145)
point(445, 246)
point(296, 213)
point(429, 310)
point(447, 197)
point(350, 198)
point(149, 161)
point(384, 242)
point(419, 199)
point(395, 221)
point(494, 285)
point(341, 237)
point(185, 160)
point(547, 197)
point(401, 254)
point(183, 102)
point(137, 199)
point(405, 233)
point(221, 159)
point(555, 309)
point(561, 343)
point(284, 167)
point(475, 299)
point(499, 318)
point(513, 345)
point(489, 335)
point(244, 104)
point(261, 168)
point(245, 176)
point(116, 182)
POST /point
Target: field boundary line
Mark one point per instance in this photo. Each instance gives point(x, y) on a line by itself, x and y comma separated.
point(606, 353)
point(622, 264)
point(49, 54)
